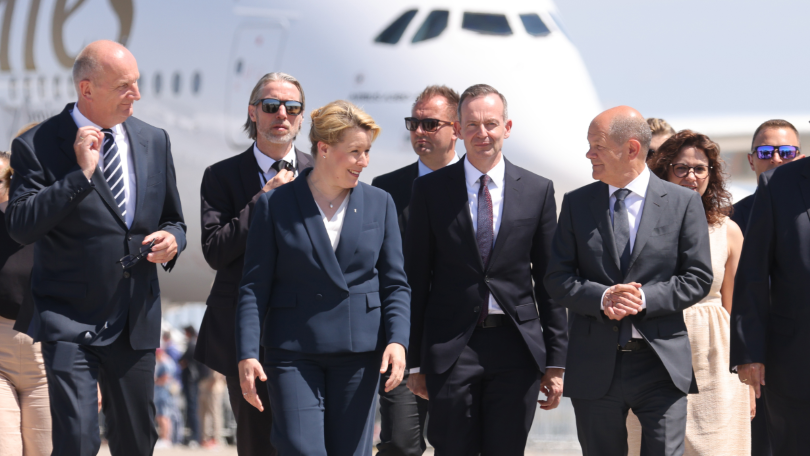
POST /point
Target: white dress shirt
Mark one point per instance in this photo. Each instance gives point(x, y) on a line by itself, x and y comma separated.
point(125, 152)
point(423, 169)
point(635, 207)
point(496, 178)
point(266, 163)
point(335, 225)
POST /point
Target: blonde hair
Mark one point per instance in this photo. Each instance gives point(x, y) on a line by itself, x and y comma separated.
point(660, 127)
point(6, 172)
point(330, 121)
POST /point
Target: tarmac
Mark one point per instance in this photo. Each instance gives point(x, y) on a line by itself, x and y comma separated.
point(231, 451)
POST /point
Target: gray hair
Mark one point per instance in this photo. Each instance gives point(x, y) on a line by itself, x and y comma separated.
point(85, 68)
point(480, 90)
point(625, 128)
point(250, 125)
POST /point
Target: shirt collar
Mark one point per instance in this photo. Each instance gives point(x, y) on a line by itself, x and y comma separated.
point(423, 169)
point(82, 121)
point(496, 174)
point(266, 162)
point(638, 185)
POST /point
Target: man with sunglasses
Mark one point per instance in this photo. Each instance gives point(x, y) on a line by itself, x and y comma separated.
point(229, 191)
point(770, 328)
point(434, 141)
point(775, 143)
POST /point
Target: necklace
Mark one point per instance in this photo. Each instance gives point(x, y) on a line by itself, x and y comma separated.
point(330, 203)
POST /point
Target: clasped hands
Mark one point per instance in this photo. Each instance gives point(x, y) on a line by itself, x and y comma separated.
point(622, 300)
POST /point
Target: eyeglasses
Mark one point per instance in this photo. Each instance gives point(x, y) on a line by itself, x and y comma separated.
point(428, 125)
point(272, 105)
point(766, 152)
point(681, 170)
point(131, 260)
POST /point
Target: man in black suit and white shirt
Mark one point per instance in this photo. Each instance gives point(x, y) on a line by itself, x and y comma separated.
point(485, 336)
point(94, 187)
point(228, 193)
point(631, 252)
point(434, 141)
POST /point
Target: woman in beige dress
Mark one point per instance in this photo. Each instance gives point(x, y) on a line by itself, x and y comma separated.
point(718, 418)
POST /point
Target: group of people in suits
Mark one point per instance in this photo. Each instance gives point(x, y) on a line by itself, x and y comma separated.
point(449, 287)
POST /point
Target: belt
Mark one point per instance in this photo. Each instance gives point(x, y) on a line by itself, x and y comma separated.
point(633, 345)
point(493, 321)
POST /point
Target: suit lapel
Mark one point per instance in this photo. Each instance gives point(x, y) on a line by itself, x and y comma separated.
point(352, 224)
point(317, 232)
point(457, 194)
point(600, 208)
point(249, 174)
point(304, 160)
point(512, 191)
point(804, 185)
point(654, 205)
point(140, 159)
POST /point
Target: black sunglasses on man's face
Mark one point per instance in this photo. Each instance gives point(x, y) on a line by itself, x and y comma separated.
point(272, 105)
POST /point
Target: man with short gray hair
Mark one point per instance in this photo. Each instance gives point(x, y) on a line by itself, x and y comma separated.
point(228, 193)
point(631, 252)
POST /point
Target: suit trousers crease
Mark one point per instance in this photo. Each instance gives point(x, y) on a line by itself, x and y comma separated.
point(252, 426)
point(486, 402)
point(788, 424)
point(127, 382)
point(402, 420)
point(25, 417)
point(640, 382)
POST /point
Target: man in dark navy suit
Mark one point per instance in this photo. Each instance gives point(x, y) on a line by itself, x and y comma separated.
point(229, 192)
point(486, 338)
point(433, 139)
point(94, 188)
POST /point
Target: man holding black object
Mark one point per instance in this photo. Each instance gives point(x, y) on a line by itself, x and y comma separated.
point(93, 189)
point(630, 253)
point(228, 193)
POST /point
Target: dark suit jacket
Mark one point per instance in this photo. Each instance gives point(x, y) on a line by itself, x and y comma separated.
point(298, 294)
point(742, 212)
point(80, 293)
point(670, 259)
point(770, 314)
point(447, 275)
point(228, 193)
point(16, 262)
point(398, 184)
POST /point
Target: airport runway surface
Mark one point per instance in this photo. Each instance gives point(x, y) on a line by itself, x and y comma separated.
point(231, 451)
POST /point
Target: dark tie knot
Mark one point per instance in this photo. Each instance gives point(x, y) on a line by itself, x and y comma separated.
point(282, 164)
point(621, 194)
point(107, 131)
point(484, 180)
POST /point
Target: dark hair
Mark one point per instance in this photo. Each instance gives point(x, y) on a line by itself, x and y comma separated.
point(440, 91)
point(773, 123)
point(716, 199)
point(480, 90)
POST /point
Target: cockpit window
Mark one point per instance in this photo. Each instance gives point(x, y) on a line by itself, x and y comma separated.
point(490, 24)
point(393, 32)
point(534, 25)
point(433, 26)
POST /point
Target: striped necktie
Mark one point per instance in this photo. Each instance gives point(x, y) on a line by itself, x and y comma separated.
point(114, 171)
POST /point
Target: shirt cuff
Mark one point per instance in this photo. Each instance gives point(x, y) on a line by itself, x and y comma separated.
point(414, 370)
point(554, 367)
point(602, 301)
point(643, 299)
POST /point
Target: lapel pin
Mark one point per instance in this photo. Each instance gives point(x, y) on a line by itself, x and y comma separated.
point(355, 210)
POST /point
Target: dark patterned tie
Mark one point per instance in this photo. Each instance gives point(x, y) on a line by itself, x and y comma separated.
point(621, 233)
point(114, 171)
point(282, 164)
point(484, 235)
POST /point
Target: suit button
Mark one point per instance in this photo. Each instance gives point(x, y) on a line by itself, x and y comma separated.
point(129, 238)
point(87, 336)
point(318, 296)
point(126, 274)
point(476, 309)
point(615, 329)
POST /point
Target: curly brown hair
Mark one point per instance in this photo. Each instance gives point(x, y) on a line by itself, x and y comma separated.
point(716, 199)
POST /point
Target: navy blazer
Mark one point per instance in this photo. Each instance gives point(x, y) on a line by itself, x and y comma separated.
point(80, 294)
point(298, 294)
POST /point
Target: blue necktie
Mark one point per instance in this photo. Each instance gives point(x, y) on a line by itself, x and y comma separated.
point(114, 171)
point(621, 234)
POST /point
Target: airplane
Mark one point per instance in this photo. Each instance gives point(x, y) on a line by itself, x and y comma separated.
point(199, 60)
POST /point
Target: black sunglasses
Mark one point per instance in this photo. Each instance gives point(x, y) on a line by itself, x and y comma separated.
point(272, 105)
point(131, 260)
point(428, 125)
point(786, 152)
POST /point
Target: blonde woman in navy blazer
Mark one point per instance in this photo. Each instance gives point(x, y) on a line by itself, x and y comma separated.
point(325, 293)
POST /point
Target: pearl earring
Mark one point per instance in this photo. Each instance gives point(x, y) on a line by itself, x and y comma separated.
point(324, 156)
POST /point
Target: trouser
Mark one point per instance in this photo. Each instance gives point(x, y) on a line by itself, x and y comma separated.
point(211, 418)
point(760, 441)
point(485, 403)
point(252, 436)
point(640, 383)
point(25, 415)
point(127, 381)
point(788, 424)
point(402, 420)
point(191, 390)
point(322, 404)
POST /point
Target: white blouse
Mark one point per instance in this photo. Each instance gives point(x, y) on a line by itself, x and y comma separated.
point(335, 226)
